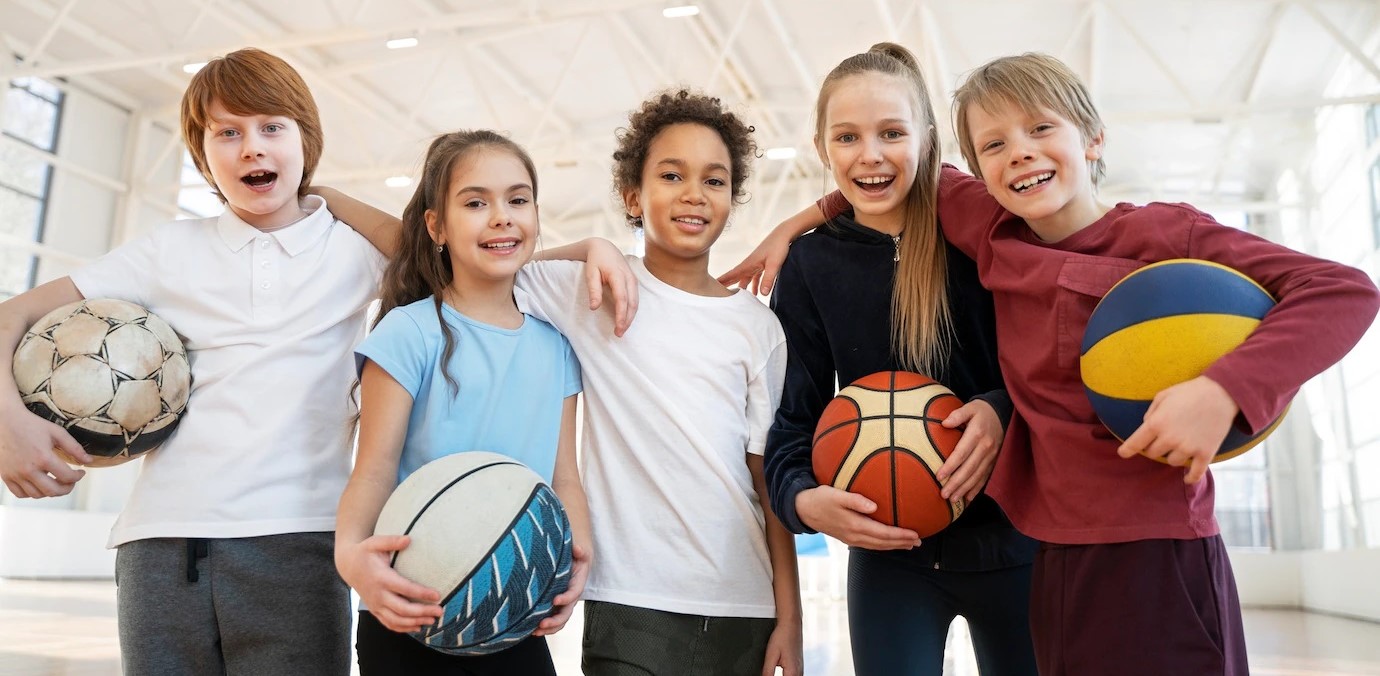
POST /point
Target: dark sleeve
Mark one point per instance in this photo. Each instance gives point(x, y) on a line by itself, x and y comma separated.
point(1000, 401)
point(833, 204)
point(809, 387)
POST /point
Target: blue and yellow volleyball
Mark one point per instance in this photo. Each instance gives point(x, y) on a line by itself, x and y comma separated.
point(1162, 325)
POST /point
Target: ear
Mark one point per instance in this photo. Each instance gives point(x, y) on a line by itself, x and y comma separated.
point(1094, 149)
point(433, 227)
point(632, 202)
point(819, 149)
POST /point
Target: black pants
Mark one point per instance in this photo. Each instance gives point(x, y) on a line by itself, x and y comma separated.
point(383, 652)
point(899, 616)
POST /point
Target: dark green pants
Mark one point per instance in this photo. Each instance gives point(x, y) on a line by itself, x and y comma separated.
point(627, 641)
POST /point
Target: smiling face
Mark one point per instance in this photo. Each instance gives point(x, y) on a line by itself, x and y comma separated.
point(488, 224)
point(256, 161)
point(872, 142)
point(686, 192)
point(1036, 164)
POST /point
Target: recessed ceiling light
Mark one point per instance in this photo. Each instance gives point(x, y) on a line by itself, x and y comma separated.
point(192, 68)
point(398, 181)
point(782, 153)
point(401, 43)
point(683, 10)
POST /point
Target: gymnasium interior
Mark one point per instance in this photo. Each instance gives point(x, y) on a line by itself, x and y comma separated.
point(1263, 113)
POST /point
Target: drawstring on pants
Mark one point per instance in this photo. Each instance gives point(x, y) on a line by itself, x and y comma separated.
point(197, 548)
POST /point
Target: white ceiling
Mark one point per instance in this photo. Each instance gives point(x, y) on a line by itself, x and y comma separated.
point(1206, 100)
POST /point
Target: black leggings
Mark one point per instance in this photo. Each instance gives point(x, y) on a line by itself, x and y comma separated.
point(899, 616)
point(384, 651)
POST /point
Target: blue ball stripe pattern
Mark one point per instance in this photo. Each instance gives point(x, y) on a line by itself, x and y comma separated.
point(511, 591)
point(1168, 290)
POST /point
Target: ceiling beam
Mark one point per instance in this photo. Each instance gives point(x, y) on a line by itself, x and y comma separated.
point(340, 35)
point(1341, 38)
point(1151, 52)
point(36, 55)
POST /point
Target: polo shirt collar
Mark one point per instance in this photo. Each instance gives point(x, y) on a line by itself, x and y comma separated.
point(294, 239)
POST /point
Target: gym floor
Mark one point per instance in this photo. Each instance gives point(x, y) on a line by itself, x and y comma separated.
point(67, 628)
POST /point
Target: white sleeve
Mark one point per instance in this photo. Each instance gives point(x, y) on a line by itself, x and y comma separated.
point(764, 396)
point(125, 273)
point(551, 291)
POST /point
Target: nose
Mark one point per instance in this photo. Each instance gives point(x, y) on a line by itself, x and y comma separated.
point(1021, 152)
point(871, 152)
point(692, 193)
point(250, 146)
point(500, 217)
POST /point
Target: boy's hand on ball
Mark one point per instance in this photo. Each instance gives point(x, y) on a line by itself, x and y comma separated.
point(30, 464)
point(388, 594)
point(967, 469)
point(564, 604)
point(843, 516)
point(1184, 426)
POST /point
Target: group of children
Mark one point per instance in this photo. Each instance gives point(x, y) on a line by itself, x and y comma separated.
point(698, 413)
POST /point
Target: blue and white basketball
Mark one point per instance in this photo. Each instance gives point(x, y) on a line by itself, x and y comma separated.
point(1165, 324)
point(491, 537)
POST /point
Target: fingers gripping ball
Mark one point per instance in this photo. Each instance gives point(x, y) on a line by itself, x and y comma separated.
point(491, 537)
point(882, 438)
point(1165, 324)
point(112, 373)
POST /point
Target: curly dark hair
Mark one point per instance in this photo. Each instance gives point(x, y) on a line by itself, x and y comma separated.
point(680, 107)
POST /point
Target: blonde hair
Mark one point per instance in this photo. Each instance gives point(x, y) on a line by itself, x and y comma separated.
point(921, 326)
point(1032, 81)
point(250, 82)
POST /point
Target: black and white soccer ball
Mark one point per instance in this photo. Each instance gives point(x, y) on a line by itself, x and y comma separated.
point(112, 373)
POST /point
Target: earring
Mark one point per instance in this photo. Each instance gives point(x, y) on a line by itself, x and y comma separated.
point(440, 248)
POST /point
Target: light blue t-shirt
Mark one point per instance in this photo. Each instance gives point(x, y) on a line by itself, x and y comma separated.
point(512, 385)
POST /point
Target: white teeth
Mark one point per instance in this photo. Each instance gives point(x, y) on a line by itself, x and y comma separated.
point(873, 180)
point(1032, 181)
point(499, 245)
point(692, 220)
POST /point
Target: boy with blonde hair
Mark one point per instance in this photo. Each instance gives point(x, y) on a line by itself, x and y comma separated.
point(225, 549)
point(1132, 576)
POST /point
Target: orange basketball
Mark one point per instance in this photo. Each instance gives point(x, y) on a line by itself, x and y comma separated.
point(882, 438)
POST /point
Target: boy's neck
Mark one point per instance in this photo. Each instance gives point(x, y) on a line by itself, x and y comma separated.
point(487, 301)
point(270, 222)
point(1074, 217)
point(690, 275)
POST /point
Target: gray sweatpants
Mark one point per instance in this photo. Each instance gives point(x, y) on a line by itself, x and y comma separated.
point(233, 607)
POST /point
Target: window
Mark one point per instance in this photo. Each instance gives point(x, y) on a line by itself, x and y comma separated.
point(32, 110)
point(1372, 135)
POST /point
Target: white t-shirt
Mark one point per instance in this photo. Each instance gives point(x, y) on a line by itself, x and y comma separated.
point(671, 410)
point(270, 322)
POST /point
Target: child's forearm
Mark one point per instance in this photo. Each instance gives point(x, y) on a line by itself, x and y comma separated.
point(805, 220)
point(785, 579)
point(577, 251)
point(379, 227)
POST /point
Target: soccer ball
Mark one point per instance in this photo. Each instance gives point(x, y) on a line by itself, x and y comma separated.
point(112, 373)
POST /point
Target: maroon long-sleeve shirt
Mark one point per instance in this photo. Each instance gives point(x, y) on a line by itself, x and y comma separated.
point(1058, 476)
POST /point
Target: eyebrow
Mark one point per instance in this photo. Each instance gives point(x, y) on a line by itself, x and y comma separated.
point(681, 163)
point(888, 121)
point(484, 191)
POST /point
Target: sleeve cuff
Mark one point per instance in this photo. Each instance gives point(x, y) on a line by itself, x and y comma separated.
point(786, 505)
point(1000, 401)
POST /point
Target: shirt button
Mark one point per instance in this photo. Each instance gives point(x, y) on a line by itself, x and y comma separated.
point(267, 285)
point(263, 244)
point(264, 264)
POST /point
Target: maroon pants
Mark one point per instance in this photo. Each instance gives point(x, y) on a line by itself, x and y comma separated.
point(1149, 607)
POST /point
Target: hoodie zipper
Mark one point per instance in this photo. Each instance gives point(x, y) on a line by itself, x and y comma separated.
point(896, 240)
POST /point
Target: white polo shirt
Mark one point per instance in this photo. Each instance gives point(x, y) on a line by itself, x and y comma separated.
point(270, 321)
